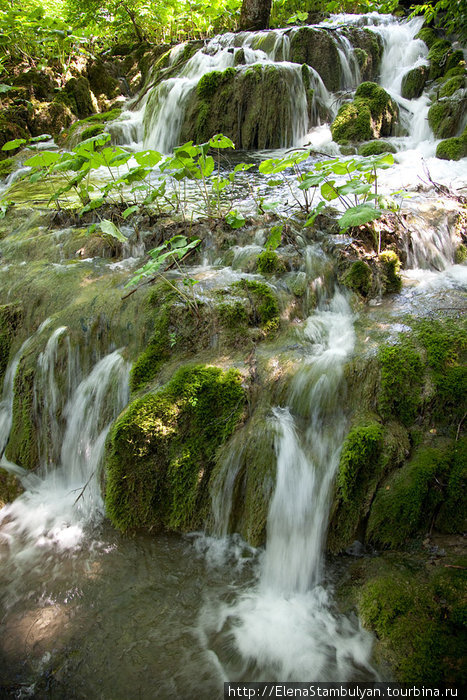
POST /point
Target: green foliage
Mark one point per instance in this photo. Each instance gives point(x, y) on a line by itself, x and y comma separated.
point(445, 14)
point(268, 262)
point(162, 449)
point(401, 381)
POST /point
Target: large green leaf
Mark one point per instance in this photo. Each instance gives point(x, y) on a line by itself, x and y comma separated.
point(108, 227)
point(356, 216)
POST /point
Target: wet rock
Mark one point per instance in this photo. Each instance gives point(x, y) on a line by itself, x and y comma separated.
point(317, 48)
point(253, 107)
point(372, 114)
point(368, 48)
point(445, 117)
point(413, 82)
point(79, 93)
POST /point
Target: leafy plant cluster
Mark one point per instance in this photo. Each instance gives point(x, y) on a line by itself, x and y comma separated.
point(351, 183)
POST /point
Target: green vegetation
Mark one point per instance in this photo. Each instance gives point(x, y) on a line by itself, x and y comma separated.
point(401, 381)
point(10, 318)
point(418, 613)
point(371, 114)
point(358, 278)
point(162, 450)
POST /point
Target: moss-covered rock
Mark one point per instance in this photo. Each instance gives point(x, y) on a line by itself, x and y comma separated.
point(10, 488)
point(418, 613)
point(85, 128)
point(453, 149)
point(413, 82)
point(162, 449)
point(10, 318)
point(22, 446)
point(401, 381)
point(445, 117)
point(439, 56)
point(375, 148)
point(368, 49)
point(449, 87)
point(6, 167)
point(428, 35)
point(264, 308)
point(372, 114)
point(391, 265)
point(102, 79)
point(358, 277)
point(269, 262)
point(252, 106)
point(317, 48)
point(406, 503)
point(80, 99)
point(38, 83)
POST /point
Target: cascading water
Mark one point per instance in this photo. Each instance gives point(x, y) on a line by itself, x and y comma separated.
point(66, 498)
point(68, 587)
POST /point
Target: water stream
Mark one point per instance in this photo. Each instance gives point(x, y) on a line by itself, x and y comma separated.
point(87, 613)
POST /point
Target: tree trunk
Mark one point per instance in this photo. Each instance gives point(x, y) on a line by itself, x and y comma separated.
point(255, 15)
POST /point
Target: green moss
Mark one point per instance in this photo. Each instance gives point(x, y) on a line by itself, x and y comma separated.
point(10, 319)
point(460, 255)
point(406, 503)
point(94, 130)
point(452, 85)
point(317, 48)
point(391, 266)
point(445, 344)
point(372, 114)
point(22, 447)
point(162, 449)
point(361, 451)
point(454, 148)
point(401, 381)
point(375, 148)
point(157, 352)
point(452, 517)
point(7, 166)
point(81, 126)
point(211, 82)
point(418, 616)
point(232, 314)
point(265, 309)
point(438, 56)
point(352, 123)
point(358, 278)
point(413, 82)
point(268, 262)
point(428, 35)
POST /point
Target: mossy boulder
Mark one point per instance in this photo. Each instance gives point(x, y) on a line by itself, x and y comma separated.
point(368, 49)
point(78, 91)
point(413, 82)
point(6, 167)
point(417, 611)
point(358, 277)
point(102, 79)
point(428, 35)
point(318, 49)
point(252, 106)
point(375, 148)
point(372, 114)
point(162, 449)
point(22, 447)
point(85, 128)
point(391, 265)
point(445, 116)
point(401, 381)
point(453, 149)
point(38, 83)
point(442, 58)
point(452, 85)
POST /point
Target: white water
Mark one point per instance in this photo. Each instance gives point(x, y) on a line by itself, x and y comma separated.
point(66, 499)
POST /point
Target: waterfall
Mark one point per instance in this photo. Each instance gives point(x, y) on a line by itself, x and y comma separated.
point(286, 626)
point(66, 498)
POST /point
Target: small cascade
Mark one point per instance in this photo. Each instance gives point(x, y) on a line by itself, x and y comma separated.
point(6, 404)
point(286, 627)
point(48, 400)
point(67, 497)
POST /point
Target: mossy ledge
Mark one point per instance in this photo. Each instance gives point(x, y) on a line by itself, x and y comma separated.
point(162, 449)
